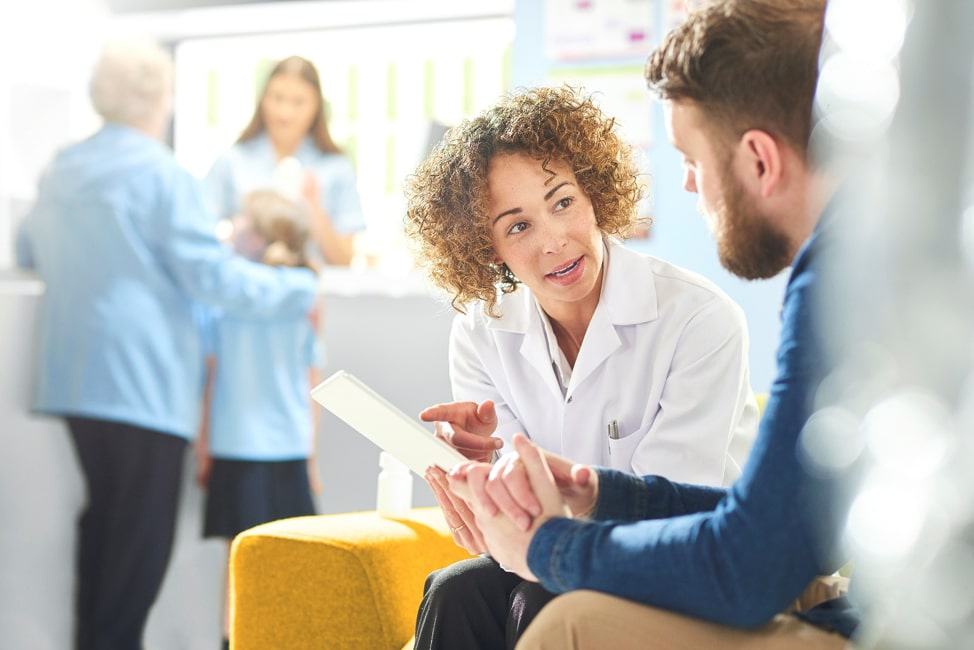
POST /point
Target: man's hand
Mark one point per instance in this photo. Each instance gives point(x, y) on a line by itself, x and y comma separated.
point(506, 541)
point(459, 518)
point(467, 427)
point(508, 488)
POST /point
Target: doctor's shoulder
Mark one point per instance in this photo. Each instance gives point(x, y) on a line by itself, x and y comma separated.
point(685, 292)
point(474, 318)
point(482, 328)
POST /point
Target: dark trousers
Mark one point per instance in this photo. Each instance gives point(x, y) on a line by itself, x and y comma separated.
point(476, 605)
point(125, 532)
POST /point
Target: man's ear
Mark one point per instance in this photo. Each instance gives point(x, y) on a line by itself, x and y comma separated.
point(762, 162)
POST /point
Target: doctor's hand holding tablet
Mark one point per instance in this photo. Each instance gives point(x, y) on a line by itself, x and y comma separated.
point(467, 427)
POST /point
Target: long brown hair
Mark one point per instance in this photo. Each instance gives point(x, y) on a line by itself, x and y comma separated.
point(299, 67)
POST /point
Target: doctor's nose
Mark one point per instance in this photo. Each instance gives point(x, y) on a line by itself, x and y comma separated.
point(555, 238)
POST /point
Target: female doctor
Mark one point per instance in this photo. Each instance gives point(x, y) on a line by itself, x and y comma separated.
point(287, 137)
point(592, 350)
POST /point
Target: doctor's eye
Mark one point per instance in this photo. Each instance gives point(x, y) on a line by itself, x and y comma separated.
point(517, 228)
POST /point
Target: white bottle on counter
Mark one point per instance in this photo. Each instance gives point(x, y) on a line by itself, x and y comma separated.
point(394, 498)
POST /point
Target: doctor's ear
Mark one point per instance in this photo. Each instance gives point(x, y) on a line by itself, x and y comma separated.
point(504, 274)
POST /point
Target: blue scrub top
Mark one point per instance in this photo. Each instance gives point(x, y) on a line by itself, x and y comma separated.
point(250, 166)
point(261, 404)
point(120, 238)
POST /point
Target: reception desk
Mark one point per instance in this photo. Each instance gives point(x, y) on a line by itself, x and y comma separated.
point(390, 331)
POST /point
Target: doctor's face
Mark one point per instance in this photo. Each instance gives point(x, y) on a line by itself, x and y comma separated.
point(543, 228)
point(289, 107)
point(748, 244)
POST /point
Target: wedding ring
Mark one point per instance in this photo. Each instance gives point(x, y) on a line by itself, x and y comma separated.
point(457, 529)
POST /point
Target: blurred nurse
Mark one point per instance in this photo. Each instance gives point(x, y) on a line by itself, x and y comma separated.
point(119, 237)
point(287, 147)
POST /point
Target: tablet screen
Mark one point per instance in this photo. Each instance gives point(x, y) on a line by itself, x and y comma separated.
point(375, 418)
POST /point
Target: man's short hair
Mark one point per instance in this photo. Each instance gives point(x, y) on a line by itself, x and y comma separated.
point(747, 64)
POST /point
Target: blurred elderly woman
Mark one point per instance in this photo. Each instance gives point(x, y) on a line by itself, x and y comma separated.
point(117, 235)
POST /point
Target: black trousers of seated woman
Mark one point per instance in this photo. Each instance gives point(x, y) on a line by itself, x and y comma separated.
point(476, 605)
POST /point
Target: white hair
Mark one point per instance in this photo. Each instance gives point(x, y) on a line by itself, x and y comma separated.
point(132, 83)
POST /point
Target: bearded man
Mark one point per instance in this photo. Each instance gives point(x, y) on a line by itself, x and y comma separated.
point(649, 563)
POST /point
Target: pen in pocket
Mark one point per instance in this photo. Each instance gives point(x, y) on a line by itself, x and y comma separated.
point(613, 433)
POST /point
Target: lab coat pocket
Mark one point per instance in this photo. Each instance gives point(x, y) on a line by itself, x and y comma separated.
point(622, 449)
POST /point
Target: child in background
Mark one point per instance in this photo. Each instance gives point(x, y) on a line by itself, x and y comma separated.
point(255, 454)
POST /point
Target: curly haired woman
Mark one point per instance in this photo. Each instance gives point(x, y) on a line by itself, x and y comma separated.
point(594, 351)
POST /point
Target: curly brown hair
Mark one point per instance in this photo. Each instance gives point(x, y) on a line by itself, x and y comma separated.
point(447, 196)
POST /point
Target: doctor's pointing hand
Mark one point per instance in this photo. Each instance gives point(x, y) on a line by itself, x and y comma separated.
point(467, 427)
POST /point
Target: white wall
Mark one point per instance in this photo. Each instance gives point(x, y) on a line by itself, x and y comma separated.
point(47, 48)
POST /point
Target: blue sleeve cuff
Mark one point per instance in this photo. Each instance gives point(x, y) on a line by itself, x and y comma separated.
point(548, 550)
point(622, 496)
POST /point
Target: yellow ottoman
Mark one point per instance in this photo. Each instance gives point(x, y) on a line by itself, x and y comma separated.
point(334, 581)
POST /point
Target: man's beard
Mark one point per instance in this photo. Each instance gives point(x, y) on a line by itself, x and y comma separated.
point(747, 244)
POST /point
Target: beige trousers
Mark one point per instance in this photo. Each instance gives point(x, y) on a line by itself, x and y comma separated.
point(590, 620)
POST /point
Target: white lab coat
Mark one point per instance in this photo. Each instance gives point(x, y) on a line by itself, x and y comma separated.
point(665, 356)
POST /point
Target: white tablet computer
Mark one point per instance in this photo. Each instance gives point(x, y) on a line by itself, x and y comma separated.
point(375, 418)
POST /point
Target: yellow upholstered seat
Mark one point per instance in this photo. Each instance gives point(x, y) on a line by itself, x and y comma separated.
point(334, 581)
point(337, 581)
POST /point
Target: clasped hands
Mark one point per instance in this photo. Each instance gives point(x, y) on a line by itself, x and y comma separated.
point(497, 508)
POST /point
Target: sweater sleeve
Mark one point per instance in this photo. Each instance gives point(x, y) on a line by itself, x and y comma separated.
point(738, 564)
point(624, 497)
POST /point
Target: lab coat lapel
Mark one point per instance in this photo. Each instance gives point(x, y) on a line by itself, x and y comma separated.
point(601, 340)
point(519, 316)
point(628, 298)
point(629, 292)
point(534, 349)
